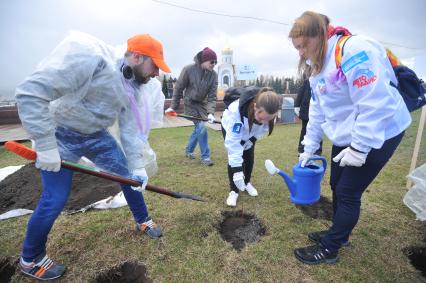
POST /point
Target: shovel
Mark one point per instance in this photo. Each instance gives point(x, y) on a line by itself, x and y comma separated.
point(174, 114)
point(28, 153)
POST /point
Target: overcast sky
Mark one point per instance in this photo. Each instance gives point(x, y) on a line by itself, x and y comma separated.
point(30, 30)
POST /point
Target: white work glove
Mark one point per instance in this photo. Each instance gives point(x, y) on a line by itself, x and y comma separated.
point(297, 111)
point(350, 157)
point(238, 179)
point(48, 160)
point(304, 157)
point(140, 176)
point(168, 110)
point(211, 118)
point(247, 145)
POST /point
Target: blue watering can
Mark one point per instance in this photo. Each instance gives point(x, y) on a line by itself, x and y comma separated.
point(305, 187)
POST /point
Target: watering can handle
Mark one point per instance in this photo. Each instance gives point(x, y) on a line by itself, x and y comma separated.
point(324, 161)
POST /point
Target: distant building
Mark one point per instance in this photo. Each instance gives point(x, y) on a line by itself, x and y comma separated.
point(226, 69)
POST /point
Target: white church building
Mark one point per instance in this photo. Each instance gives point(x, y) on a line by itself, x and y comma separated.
point(226, 70)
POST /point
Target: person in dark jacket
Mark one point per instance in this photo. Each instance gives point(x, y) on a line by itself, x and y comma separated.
point(197, 84)
point(301, 109)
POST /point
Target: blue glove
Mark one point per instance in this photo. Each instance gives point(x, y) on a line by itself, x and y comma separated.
point(140, 176)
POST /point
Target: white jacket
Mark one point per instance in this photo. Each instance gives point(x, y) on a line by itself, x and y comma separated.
point(236, 131)
point(82, 86)
point(358, 107)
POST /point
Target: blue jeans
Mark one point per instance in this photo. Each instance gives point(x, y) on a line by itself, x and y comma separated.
point(348, 184)
point(103, 150)
point(199, 135)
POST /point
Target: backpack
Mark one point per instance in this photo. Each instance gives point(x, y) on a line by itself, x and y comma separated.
point(234, 93)
point(409, 85)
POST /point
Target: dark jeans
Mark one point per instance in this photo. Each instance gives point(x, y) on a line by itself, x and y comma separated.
point(248, 162)
point(300, 148)
point(348, 184)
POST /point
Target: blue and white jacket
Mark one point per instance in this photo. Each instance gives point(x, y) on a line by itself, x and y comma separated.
point(355, 104)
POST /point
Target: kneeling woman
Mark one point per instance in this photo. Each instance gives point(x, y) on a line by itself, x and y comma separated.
point(246, 120)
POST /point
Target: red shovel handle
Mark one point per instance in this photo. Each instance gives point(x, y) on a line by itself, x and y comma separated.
point(30, 154)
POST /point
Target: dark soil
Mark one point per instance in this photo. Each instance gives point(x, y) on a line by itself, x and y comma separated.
point(128, 272)
point(417, 256)
point(238, 228)
point(323, 209)
point(7, 269)
point(22, 189)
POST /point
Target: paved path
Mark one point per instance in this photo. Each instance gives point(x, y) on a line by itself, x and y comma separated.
point(17, 133)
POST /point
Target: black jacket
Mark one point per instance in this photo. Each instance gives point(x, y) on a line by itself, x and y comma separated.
point(302, 100)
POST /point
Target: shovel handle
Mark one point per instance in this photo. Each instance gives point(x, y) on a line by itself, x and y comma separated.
point(30, 154)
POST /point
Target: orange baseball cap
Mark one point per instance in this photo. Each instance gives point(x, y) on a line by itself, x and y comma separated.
point(147, 45)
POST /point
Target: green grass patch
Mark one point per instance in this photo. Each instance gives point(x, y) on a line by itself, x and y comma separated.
point(192, 249)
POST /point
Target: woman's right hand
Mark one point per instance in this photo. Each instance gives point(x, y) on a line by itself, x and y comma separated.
point(304, 157)
point(238, 179)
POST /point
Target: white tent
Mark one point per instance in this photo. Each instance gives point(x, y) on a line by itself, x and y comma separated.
point(418, 64)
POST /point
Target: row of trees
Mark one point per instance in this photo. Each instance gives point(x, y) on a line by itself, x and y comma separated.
point(279, 84)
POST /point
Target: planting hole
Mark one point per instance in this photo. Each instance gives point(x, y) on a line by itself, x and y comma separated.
point(124, 273)
point(238, 228)
point(7, 270)
point(323, 209)
point(417, 256)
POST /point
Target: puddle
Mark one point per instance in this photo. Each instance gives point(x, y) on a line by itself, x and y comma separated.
point(323, 209)
point(127, 272)
point(417, 256)
point(238, 228)
point(7, 269)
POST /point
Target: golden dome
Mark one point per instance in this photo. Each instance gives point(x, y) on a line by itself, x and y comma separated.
point(227, 50)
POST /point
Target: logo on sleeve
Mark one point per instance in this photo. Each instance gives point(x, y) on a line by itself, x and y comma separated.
point(237, 128)
point(354, 60)
point(364, 77)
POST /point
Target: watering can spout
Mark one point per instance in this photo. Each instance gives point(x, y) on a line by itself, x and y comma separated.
point(290, 183)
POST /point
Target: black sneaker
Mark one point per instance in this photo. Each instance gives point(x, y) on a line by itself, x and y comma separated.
point(317, 236)
point(315, 254)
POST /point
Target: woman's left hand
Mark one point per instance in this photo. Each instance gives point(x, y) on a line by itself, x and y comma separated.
point(350, 157)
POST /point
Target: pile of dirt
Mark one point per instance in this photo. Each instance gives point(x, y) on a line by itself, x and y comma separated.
point(323, 209)
point(128, 272)
point(22, 189)
point(238, 228)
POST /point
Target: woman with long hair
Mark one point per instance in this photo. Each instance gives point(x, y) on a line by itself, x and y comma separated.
point(355, 105)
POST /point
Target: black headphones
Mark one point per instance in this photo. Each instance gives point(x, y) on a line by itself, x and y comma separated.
point(127, 72)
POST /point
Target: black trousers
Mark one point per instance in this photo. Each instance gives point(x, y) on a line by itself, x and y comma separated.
point(348, 184)
point(301, 148)
point(248, 162)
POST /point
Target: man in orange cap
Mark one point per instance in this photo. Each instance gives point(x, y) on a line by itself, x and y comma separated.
point(146, 66)
point(66, 106)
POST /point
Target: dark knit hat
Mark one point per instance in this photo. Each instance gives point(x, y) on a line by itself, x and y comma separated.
point(208, 55)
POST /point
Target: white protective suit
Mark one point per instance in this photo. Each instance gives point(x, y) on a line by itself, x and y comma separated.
point(83, 86)
point(150, 102)
point(361, 108)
